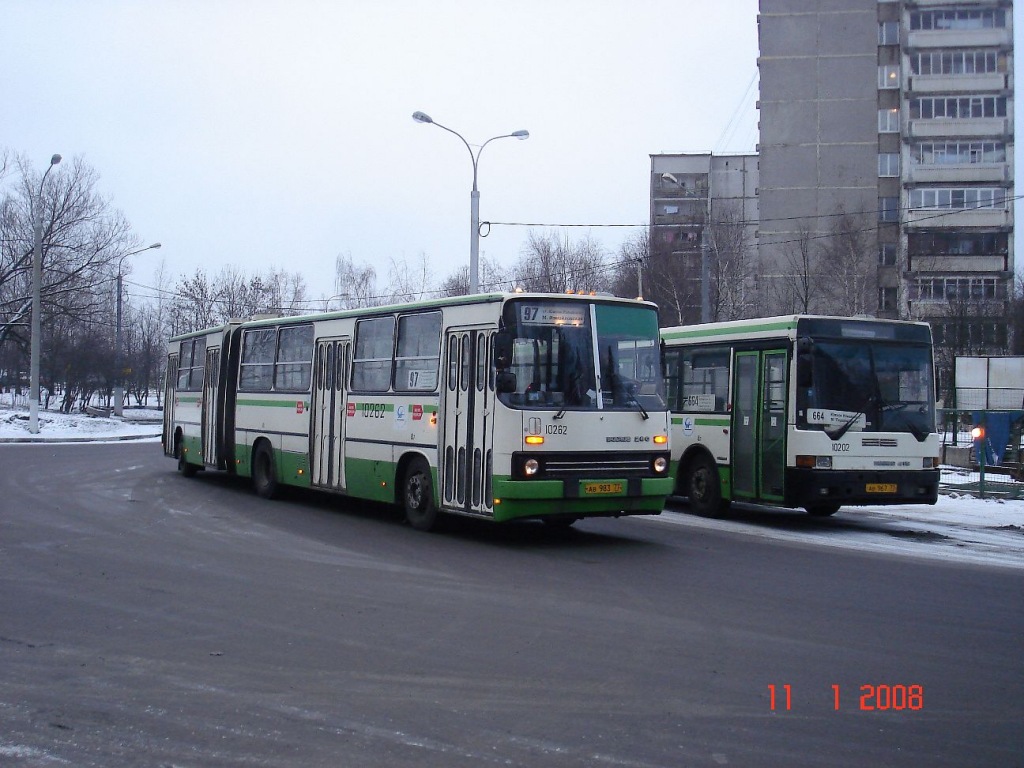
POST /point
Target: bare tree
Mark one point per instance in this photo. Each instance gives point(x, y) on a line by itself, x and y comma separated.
point(555, 266)
point(408, 282)
point(355, 286)
point(493, 277)
point(849, 252)
point(733, 290)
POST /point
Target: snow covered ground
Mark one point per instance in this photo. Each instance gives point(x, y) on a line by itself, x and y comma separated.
point(960, 527)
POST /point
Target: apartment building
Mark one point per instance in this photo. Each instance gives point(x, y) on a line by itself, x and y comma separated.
point(886, 128)
point(704, 221)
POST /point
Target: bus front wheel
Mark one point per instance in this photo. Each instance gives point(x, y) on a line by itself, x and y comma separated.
point(704, 489)
point(823, 510)
point(264, 476)
point(418, 496)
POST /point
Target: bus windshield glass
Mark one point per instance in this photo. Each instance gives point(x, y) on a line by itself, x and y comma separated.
point(866, 386)
point(581, 356)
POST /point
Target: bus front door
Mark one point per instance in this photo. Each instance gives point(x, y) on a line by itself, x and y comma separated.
point(759, 426)
point(464, 464)
point(327, 415)
point(211, 392)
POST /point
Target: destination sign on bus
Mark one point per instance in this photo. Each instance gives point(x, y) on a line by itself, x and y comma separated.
point(832, 418)
point(552, 314)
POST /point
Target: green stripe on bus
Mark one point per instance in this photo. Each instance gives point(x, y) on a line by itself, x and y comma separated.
point(703, 422)
point(703, 331)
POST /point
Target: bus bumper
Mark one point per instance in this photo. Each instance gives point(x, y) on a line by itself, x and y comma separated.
point(519, 499)
point(812, 487)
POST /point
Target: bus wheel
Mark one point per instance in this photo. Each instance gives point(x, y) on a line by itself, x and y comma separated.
point(823, 510)
point(704, 489)
point(418, 496)
point(264, 478)
point(186, 469)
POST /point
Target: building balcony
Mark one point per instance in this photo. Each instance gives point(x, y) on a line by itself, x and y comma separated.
point(996, 173)
point(958, 38)
point(946, 218)
point(967, 83)
point(959, 128)
point(949, 264)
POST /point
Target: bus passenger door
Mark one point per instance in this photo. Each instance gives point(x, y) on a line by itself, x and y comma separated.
point(773, 425)
point(759, 425)
point(211, 391)
point(464, 464)
point(327, 427)
point(170, 384)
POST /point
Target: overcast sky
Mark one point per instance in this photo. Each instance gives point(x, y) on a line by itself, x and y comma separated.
point(279, 132)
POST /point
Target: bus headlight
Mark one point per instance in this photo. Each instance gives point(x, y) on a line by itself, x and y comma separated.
point(531, 467)
point(660, 465)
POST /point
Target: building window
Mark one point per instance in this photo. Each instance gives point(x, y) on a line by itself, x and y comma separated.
point(889, 33)
point(957, 63)
point(959, 288)
point(887, 254)
point(888, 76)
point(889, 120)
point(944, 243)
point(957, 198)
point(888, 209)
point(886, 299)
point(992, 18)
point(957, 107)
point(958, 152)
point(888, 164)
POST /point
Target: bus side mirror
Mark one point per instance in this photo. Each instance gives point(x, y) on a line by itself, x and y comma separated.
point(503, 353)
point(505, 382)
point(804, 369)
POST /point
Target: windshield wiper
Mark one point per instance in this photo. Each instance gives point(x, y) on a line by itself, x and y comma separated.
point(835, 434)
point(916, 430)
point(639, 406)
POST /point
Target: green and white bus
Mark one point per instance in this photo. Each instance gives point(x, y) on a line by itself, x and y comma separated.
point(802, 411)
point(497, 406)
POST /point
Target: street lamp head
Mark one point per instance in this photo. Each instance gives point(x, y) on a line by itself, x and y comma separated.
point(155, 245)
point(421, 117)
point(521, 135)
point(55, 159)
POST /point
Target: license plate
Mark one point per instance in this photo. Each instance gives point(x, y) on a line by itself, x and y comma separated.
point(881, 488)
point(592, 489)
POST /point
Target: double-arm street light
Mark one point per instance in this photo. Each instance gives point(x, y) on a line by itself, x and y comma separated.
point(118, 372)
point(474, 198)
point(37, 303)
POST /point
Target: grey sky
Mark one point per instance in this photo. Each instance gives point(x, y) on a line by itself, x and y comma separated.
point(279, 132)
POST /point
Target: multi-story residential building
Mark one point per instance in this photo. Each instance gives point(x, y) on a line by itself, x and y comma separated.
point(703, 225)
point(886, 126)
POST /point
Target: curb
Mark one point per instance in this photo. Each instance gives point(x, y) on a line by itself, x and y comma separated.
point(97, 439)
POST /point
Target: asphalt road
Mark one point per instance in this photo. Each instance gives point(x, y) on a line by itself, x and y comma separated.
point(149, 619)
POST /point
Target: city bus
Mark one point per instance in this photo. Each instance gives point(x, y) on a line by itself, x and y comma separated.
point(497, 406)
point(802, 411)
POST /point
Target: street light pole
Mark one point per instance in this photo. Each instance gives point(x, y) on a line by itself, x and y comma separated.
point(474, 195)
point(37, 303)
point(118, 373)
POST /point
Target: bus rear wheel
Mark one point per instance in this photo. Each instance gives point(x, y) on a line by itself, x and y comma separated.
point(418, 496)
point(704, 489)
point(264, 476)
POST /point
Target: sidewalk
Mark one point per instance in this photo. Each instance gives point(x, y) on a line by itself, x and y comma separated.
point(55, 427)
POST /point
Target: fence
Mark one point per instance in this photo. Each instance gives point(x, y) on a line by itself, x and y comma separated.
point(990, 466)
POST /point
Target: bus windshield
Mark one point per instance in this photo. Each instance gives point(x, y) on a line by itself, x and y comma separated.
point(866, 386)
point(580, 356)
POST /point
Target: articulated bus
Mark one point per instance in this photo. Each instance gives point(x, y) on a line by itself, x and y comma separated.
point(802, 411)
point(497, 406)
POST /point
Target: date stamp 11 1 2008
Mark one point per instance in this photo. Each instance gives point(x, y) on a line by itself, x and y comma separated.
point(868, 698)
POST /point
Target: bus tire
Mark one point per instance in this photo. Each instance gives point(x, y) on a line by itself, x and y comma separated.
point(264, 476)
point(704, 488)
point(823, 510)
point(418, 496)
point(186, 469)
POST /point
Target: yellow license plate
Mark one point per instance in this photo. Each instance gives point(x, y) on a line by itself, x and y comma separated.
point(881, 488)
point(591, 489)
